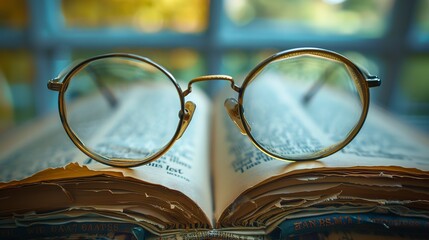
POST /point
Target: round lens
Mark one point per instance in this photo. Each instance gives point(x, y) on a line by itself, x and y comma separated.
point(304, 106)
point(121, 107)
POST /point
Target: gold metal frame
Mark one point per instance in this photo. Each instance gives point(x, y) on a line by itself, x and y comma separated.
point(363, 81)
point(61, 83)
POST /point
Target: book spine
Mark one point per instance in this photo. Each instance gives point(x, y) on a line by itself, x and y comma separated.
point(300, 226)
point(74, 230)
point(211, 234)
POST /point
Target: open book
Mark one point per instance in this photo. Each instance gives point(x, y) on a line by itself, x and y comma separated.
point(213, 182)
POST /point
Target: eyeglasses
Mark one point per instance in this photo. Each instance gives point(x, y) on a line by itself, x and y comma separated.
point(300, 104)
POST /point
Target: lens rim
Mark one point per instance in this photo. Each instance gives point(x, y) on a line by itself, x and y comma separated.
point(356, 74)
point(116, 162)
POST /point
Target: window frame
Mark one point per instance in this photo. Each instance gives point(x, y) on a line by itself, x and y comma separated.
point(47, 40)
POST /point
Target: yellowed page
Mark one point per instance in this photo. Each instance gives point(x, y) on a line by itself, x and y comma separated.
point(238, 165)
point(384, 140)
point(185, 167)
point(34, 147)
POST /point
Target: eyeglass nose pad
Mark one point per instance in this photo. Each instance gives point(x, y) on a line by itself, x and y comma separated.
point(232, 108)
point(188, 114)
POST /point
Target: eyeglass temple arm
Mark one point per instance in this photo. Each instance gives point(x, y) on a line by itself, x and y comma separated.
point(55, 84)
point(372, 81)
point(103, 88)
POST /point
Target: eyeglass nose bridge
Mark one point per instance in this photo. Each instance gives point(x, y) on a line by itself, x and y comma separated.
point(211, 78)
point(231, 104)
point(190, 106)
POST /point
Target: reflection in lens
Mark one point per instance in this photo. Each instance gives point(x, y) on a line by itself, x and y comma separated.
point(302, 106)
point(122, 108)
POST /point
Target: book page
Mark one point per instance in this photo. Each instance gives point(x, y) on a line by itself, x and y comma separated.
point(238, 165)
point(384, 140)
point(185, 167)
point(34, 147)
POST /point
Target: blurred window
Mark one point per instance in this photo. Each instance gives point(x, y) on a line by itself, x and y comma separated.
point(422, 21)
point(414, 86)
point(184, 16)
point(13, 14)
point(16, 69)
point(184, 64)
point(195, 37)
point(364, 18)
